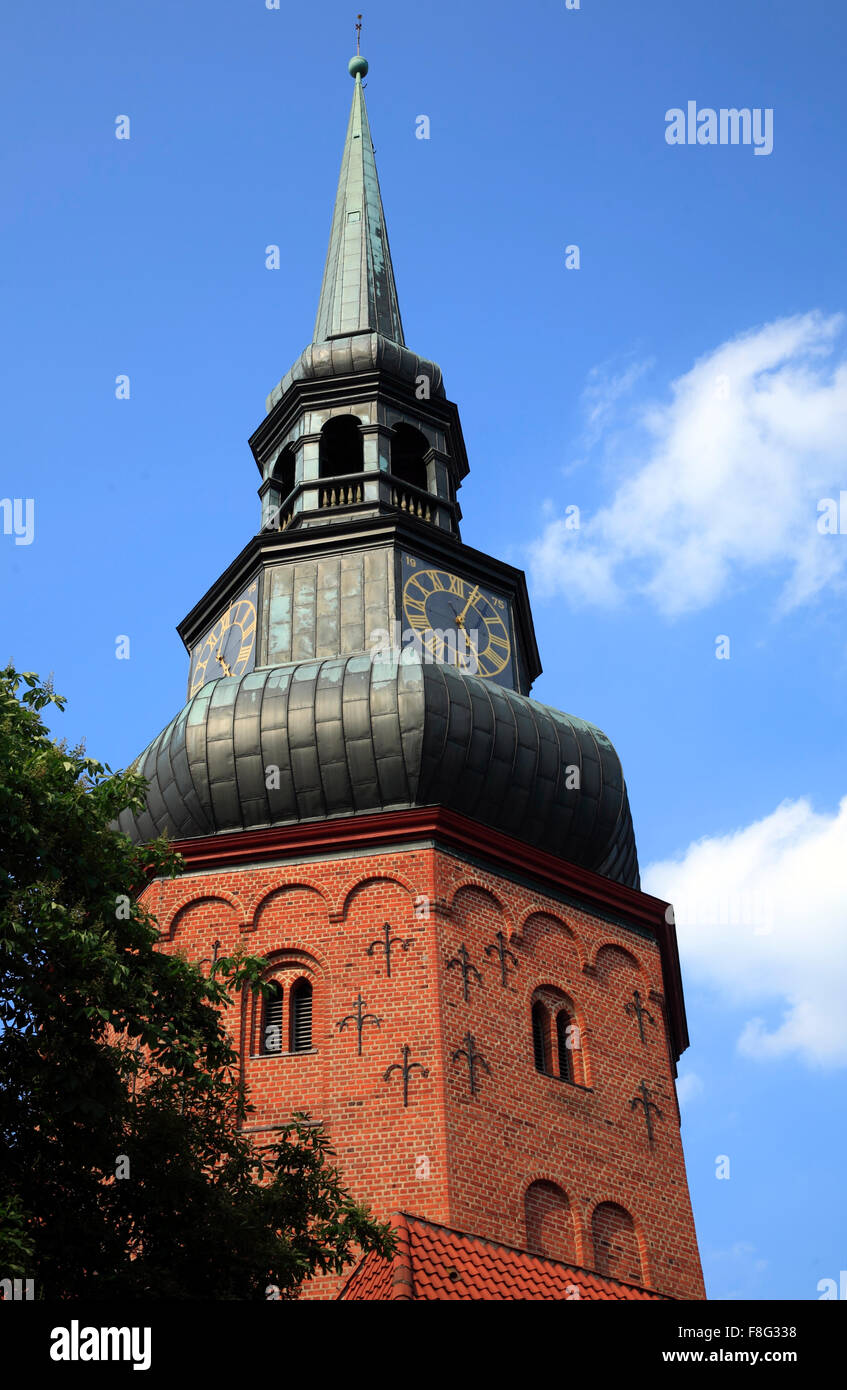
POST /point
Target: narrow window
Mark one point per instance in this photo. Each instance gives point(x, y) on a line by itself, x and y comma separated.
point(301, 1016)
point(539, 1037)
point(272, 1021)
point(564, 1040)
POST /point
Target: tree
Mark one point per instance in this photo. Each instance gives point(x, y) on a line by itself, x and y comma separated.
point(124, 1171)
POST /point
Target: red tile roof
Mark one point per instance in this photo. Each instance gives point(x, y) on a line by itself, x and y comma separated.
point(434, 1262)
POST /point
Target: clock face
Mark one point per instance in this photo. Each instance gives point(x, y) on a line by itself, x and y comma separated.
point(228, 648)
point(456, 621)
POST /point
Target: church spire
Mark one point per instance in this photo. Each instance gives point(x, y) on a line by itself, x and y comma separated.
point(358, 294)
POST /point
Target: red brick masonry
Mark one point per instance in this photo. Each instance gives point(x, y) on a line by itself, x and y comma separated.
point(562, 1168)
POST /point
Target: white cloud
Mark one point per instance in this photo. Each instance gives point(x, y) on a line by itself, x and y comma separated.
point(726, 478)
point(603, 390)
point(760, 916)
point(688, 1087)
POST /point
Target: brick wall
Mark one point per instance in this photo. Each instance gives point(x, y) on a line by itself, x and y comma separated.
point(524, 1158)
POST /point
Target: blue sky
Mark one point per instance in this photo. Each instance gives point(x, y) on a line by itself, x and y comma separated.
point(685, 388)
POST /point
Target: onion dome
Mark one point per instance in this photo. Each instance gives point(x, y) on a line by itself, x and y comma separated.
point(318, 740)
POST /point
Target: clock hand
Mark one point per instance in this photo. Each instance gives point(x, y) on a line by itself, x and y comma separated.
point(225, 635)
point(472, 595)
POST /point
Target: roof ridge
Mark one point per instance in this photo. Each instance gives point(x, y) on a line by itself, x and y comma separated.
point(402, 1274)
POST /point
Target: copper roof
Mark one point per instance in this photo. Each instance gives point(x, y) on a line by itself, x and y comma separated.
point(354, 735)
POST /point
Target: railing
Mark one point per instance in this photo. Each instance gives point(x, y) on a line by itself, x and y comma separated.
point(278, 519)
point(350, 491)
point(340, 496)
point(405, 499)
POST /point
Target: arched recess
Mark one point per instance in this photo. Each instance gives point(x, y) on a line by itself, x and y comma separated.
point(472, 905)
point(405, 895)
point(177, 918)
point(549, 1222)
point(616, 1244)
point(480, 921)
point(408, 450)
point(341, 447)
point(291, 903)
point(552, 931)
point(558, 1036)
point(616, 966)
point(373, 905)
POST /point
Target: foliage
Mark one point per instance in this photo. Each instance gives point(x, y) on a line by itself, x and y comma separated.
point(124, 1167)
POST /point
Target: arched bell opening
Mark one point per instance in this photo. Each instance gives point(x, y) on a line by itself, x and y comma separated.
point(341, 448)
point(408, 450)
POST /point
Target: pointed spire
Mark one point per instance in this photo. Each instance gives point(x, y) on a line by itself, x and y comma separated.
point(358, 294)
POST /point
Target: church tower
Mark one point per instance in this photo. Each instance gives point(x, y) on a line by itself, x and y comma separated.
point(469, 988)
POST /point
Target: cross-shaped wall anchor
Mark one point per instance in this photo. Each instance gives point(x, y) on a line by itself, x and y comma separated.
point(211, 962)
point(406, 1067)
point(463, 961)
point(386, 943)
point(640, 1012)
point(474, 1059)
point(647, 1105)
point(360, 1019)
point(502, 951)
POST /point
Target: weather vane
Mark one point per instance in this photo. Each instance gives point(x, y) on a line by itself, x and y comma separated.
point(358, 34)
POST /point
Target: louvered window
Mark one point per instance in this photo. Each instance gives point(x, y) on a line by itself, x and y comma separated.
point(301, 1016)
point(272, 1021)
point(539, 1037)
point(563, 1037)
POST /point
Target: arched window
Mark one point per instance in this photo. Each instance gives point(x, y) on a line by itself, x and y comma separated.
point(283, 475)
point(540, 1037)
point(341, 448)
point(564, 1044)
point(408, 447)
point(301, 1016)
point(557, 1040)
point(272, 1020)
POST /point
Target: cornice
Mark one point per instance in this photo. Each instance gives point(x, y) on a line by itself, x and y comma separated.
point(629, 907)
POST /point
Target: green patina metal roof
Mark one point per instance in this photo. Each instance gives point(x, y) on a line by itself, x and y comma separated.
point(358, 294)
